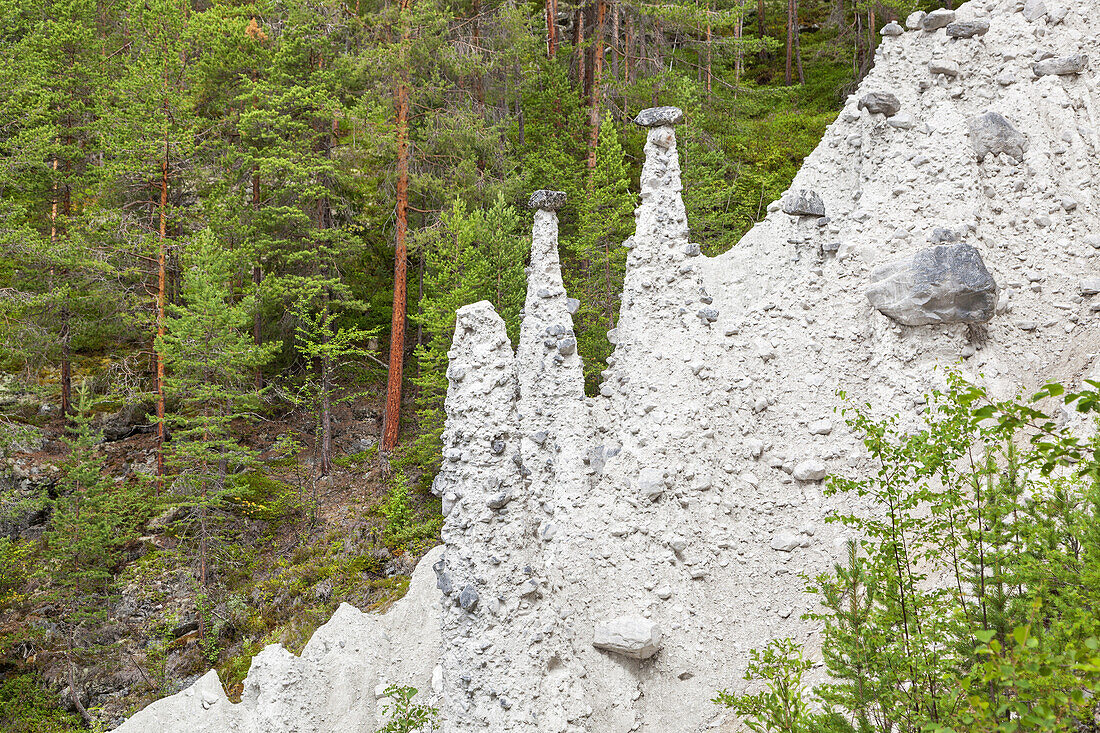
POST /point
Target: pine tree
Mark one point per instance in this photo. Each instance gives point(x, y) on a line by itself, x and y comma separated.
point(60, 281)
point(211, 358)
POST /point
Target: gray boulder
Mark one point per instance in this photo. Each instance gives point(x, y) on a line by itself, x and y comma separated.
point(636, 637)
point(546, 199)
point(803, 202)
point(132, 419)
point(991, 133)
point(937, 19)
point(1061, 66)
point(892, 29)
point(968, 28)
point(880, 103)
point(657, 116)
point(941, 284)
point(914, 20)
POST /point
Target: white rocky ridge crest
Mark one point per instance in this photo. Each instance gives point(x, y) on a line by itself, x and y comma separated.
point(669, 518)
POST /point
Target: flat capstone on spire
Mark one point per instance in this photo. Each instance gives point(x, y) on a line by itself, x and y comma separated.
point(547, 200)
point(659, 116)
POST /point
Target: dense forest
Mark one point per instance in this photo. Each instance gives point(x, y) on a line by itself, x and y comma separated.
point(232, 240)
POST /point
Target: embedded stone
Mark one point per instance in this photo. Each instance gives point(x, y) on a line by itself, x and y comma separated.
point(943, 66)
point(468, 598)
point(1090, 286)
point(1061, 66)
point(967, 28)
point(937, 19)
point(658, 116)
point(809, 470)
point(651, 481)
point(1034, 9)
point(991, 133)
point(940, 284)
point(880, 103)
point(803, 202)
point(547, 200)
point(631, 636)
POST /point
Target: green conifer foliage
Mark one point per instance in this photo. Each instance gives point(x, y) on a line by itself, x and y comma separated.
point(606, 219)
point(210, 358)
point(471, 256)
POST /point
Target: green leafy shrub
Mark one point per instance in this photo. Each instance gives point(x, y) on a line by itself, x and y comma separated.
point(969, 603)
point(405, 715)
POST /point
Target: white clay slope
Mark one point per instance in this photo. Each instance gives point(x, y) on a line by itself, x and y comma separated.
point(673, 501)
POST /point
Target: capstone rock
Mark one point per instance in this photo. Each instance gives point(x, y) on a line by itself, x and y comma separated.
point(547, 200)
point(659, 116)
point(946, 283)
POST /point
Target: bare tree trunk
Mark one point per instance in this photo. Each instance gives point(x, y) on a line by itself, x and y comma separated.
point(614, 39)
point(162, 261)
point(72, 690)
point(257, 278)
point(791, 30)
point(837, 14)
point(580, 48)
point(761, 26)
point(798, 44)
point(63, 315)
point(627, 76)
point(479, 87)
point(597, 74)
point(710, 43)
point(392, 422)
point(326, 414)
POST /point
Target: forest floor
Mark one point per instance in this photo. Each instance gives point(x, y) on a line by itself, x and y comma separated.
point(283, 554)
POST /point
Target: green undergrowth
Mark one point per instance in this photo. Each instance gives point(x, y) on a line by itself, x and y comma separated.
point(28, 707)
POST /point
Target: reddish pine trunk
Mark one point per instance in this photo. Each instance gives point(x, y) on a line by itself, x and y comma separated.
point(597, 74)
point(551, 28)
point(392, 423)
